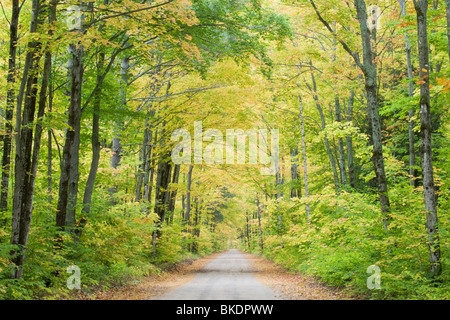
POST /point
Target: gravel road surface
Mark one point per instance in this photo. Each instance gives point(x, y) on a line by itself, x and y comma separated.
point(228, 277)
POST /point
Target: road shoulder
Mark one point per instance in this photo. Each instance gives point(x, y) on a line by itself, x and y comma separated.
point(294, 286)
point(155, 285)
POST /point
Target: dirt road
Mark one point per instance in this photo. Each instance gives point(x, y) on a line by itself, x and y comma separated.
point(227, 277)
point(232, 275)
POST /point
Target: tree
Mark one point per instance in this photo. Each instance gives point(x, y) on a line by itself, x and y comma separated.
point(350, 158)
point(21, 218)
point(369, 69)
point(69, 166)
point(305, 162)
point(325, 137)
point(6, 157)
point(412, 154)
point(426, 153)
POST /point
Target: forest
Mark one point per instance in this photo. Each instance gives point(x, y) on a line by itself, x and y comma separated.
point(135, 134)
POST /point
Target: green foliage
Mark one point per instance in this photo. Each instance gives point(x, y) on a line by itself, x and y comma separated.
point(346, 236)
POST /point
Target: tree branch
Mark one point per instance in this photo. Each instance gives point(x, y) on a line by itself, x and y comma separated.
point(354, 55)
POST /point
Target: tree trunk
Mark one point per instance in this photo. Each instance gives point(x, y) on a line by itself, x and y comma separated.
point(163, 175)
point(49, 149)
point(96, 148)
point(258, 213)
point(117, 139)
point(187, 215)
point(45, 86)
point(369, 69)
point(350, 159)
point(150, 169)
point(21, 217)
point(421, 7)
point(71, 136)
point(197, 225)
point(10, 99)
point(278, 184)
point(183, 200)
point(28, 204)
point(305, 163)
point(144, 162)
point(342, 167)
point(173, 193)
point(143, 178)
point(187, 211)
point(296, 191)
point(412, 155)
point(325, 138)
point(74, 173)
point(247, 228)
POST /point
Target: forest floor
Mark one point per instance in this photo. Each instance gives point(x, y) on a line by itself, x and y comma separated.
point(288, 285)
